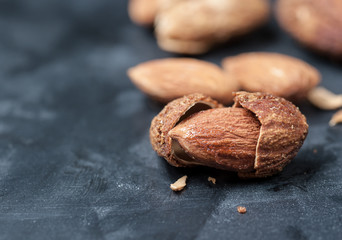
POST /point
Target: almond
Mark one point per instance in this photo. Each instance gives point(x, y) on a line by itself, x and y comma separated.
point(315, 23)
point(224, 138)
point(194, 26)
point(257, 137)
point(143, 12)
point(274, 73)
point(171, 78)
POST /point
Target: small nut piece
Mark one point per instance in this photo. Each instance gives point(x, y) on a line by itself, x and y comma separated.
point(274, 73)
point(315, 23)
point(171, 78)
point(336, 118)
point(211, 179)
point(179, 185)
point(324, 99)
point(241, 209)
point(143, 12)
point(194, 26)
point(257, 137)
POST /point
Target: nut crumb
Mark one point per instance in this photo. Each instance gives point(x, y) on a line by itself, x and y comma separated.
point(336, 118)
point(179, 184)
point(324, 99)
point(241, 209)
point(211, 179)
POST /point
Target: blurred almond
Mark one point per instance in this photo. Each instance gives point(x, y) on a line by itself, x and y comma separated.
point(274, 73)
point(171, 78)
point(194, 26)
point(315, 23)
point(143, 12)
point(336, 118)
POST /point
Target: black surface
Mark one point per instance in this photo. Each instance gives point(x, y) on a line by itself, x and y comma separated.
point(75, 157)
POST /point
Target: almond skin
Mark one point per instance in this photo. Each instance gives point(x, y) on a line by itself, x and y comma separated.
point(315, 23)
point(224, 138)
point(274, 73)
point(257, 137)
point(171, 78)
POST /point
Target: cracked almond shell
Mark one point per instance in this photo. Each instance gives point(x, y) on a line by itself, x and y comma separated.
point(173, 113)
point(282, 133)
point(283, 130)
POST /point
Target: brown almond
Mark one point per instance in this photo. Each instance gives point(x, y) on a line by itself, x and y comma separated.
point(257, 137)
point(274, 73)
point(224, 138)
point(315, 23)
point(194, 26)
point(171, 78)
point(143, 12)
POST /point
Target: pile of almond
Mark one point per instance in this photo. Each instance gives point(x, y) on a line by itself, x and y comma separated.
point(263, 130)
point(195, 26)
point(256, 137)
point(278, 74)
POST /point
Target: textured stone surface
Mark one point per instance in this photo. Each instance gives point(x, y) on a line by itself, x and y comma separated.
point(75, 157)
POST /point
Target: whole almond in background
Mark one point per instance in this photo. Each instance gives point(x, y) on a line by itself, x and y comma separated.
point(315, 23)
point(274, 73)
point(195, 26)
point(171, 78)
point(143, 12)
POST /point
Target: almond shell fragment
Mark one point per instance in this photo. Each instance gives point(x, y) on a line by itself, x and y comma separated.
point(282, 133)
point(172, 113)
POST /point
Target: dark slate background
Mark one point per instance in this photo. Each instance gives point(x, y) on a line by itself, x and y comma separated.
point(75, 157)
